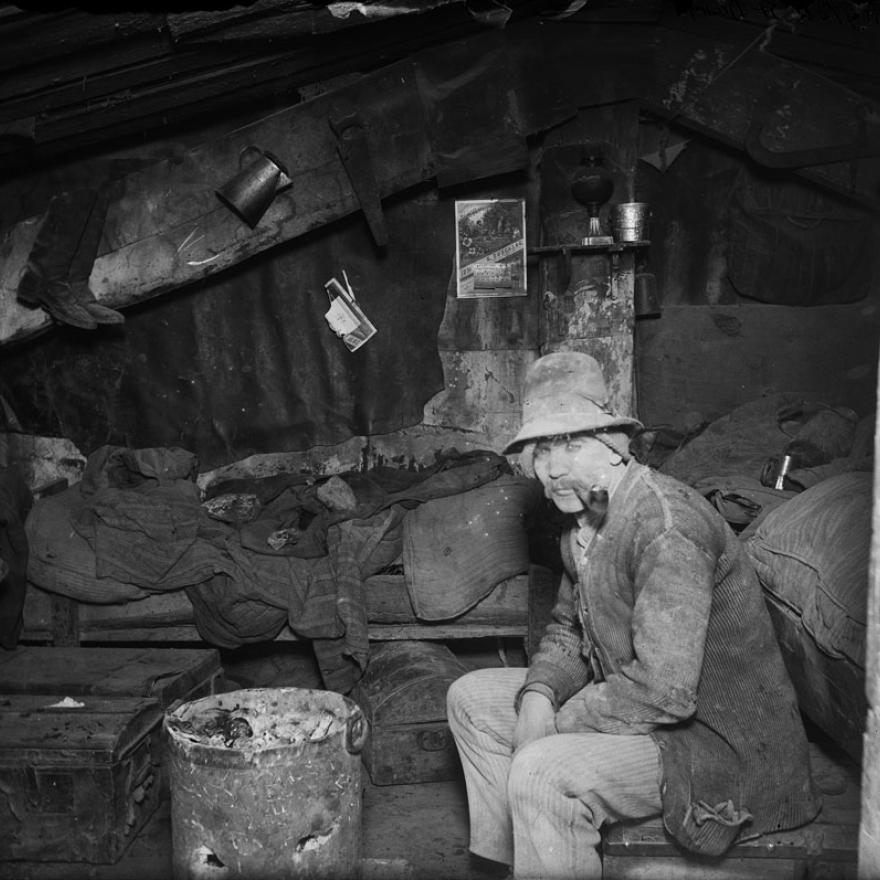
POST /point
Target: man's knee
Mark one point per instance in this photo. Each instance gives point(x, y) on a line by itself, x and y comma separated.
point(461, 696)
point(527, 769)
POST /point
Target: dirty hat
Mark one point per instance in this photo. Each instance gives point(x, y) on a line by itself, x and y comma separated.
point(565, 393)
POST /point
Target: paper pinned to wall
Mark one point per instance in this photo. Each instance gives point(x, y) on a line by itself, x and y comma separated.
point(490, 247)
point(345, 317)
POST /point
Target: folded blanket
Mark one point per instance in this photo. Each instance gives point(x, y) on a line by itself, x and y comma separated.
point(458, 548)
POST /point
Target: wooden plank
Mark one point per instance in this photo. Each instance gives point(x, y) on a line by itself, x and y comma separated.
point(86, 78)
point(588, 306)
point(376, 632)
point(65, 621)
point(869, 829)
point(482, 393)
point(276, 18)
point(388, 602)
point(716, 93)
point(640, 868)
point(442, 631)
point(100, 731)
point(169, 229)
point(831, 690)
point(36, 37)
point(825, 840)
point(16, 318)
point(828, 47)
point(84, 98)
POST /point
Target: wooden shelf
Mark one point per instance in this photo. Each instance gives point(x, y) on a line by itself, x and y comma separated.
point(615, 248)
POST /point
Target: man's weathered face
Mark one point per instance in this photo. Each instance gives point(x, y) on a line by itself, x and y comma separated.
point(569, 466)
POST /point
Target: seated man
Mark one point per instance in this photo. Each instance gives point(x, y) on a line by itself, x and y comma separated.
point(658, 686)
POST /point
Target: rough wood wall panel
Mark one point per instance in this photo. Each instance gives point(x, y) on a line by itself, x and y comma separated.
point(16, 319)
point(98, 71)
point(590, 310)
point(841, 49)
point(715, 90)
point(31, 38)
point(490, 323)
point(482, 394)
point(584, 54)
point(278, 18)
point(697, 363)
point(597, 301)
point(169, 229)
point(869, 827)
point(615, 354)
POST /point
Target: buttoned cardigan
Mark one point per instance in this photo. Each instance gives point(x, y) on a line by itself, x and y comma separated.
point(660, 627)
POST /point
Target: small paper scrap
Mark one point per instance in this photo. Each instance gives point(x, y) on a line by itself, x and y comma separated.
point(67, 703)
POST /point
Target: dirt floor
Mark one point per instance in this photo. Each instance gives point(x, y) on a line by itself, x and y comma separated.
point(420, 831)
point(416, 831)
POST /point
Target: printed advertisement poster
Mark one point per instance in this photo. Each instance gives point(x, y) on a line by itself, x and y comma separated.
point(490, 247)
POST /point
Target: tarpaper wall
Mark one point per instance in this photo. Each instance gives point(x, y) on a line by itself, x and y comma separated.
point(245, 362)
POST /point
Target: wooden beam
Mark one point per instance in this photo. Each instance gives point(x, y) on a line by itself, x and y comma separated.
point(33, 38)
point(169, 229)
point(86, 78)
point(716, 92)
point(869, 828)
point(279, 18)
point(824, 49)
point(102, 102)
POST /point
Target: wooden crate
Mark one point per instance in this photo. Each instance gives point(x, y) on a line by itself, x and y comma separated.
point(80, 779)
point(168, 674)
point(403, 695)
point(77, 775)
point(830, 690)
point(825, 849)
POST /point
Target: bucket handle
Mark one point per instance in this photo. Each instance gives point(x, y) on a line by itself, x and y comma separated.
point(356, 731)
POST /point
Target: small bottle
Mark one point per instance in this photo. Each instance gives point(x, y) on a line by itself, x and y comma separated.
point(784, 468)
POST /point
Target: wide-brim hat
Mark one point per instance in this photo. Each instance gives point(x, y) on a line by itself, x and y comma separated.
point(565, 393)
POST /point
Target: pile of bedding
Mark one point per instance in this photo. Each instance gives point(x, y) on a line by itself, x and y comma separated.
point(809, 540)
point(286, 550)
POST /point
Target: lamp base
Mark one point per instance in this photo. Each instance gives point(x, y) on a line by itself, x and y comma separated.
point(598, 239)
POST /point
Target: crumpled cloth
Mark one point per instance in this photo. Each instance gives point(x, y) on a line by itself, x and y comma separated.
point(141, 514)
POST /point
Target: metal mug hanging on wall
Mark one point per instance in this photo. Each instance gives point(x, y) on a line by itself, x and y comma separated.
point(252, 190)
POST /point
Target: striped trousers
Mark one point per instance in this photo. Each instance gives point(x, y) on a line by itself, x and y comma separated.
point(541, 808)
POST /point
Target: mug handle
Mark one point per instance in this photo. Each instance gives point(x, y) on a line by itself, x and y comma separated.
point(250, 148)
point(356, 731)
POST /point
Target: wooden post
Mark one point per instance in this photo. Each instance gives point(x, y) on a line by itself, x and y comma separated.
point(869, 828)
point(588, 297)
point(65, 622)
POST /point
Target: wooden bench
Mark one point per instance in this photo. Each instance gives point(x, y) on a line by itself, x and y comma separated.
point(825, 849)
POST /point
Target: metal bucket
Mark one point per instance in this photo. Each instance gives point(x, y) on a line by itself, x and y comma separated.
point(629, 221)
point(265, 785)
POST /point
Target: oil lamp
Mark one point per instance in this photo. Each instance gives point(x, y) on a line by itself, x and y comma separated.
point(592, 185)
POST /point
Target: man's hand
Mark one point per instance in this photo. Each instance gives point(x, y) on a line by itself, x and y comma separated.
point(536, 719)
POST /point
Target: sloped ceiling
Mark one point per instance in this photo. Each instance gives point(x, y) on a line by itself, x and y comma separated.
point(76, 79)
point(80, 79)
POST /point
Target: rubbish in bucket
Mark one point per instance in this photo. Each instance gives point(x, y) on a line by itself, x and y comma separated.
point(266, 784)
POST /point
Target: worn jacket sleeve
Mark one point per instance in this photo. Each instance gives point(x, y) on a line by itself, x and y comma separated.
point(656, 681)
point(558, 668)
